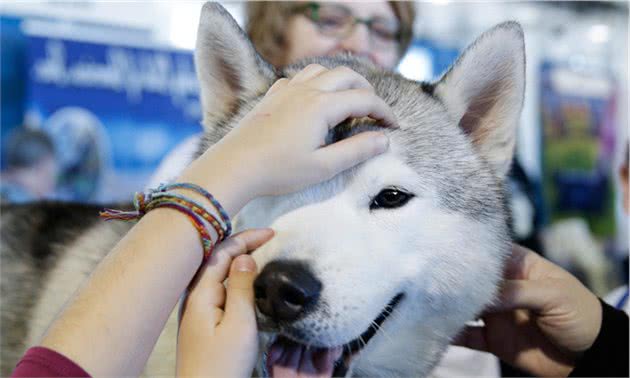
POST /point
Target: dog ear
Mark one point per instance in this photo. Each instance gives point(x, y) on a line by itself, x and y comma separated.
point(228, 67)
point(484, 92)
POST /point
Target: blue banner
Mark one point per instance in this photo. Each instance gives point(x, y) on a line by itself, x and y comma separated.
point(112, 112)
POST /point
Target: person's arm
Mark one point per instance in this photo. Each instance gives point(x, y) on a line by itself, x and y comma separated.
point(608, 356)
point(111, 325)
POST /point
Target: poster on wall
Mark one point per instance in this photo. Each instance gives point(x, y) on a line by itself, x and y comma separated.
point(111, 112)
point(578, 115)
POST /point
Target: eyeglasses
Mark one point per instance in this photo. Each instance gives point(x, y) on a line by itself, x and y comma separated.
point(337, 21)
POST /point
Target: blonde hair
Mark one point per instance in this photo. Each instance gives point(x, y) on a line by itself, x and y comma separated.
point(267, 20)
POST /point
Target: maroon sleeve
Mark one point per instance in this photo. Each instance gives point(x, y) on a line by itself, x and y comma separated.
point(44, 362)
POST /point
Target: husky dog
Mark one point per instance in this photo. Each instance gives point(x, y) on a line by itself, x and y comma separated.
point(388, 260)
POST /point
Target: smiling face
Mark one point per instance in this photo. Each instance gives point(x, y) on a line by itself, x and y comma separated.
point(306, 39)
point(390, 259)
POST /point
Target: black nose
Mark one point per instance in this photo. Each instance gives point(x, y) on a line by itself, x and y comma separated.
point(286, 290)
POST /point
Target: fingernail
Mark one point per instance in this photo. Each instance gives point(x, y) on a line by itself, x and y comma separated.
point(244, 263)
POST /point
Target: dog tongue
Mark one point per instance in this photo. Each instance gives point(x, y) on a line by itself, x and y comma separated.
point(288, 358)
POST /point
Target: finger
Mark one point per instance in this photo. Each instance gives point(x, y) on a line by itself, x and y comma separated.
point(527, 264)
point(308, 72)
point(207, 287)
point(518, 264)
point(349, 152)
point(280, 83)
point(341, 78)
point(239, 302)
point(218, 264)
point(535, 295)
point(357, 103)
point(210, 295)
point(208, 306)
point(472, 338)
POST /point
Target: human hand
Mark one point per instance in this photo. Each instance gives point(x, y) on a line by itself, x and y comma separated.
point(217, 327)
point(277, 146)
point(544, 319)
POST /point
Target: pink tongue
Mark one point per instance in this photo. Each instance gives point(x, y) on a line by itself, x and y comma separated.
point(286, 358)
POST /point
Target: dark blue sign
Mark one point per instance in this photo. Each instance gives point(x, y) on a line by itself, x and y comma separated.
point(113, 112)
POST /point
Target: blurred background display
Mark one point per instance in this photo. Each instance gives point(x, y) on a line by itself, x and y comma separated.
point(95, 94)
point(111, 110)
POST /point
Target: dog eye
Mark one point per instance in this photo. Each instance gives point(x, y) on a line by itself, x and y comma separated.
point(390, 198)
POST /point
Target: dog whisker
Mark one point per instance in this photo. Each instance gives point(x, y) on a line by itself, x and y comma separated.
point(362, 341)
point(382, 331)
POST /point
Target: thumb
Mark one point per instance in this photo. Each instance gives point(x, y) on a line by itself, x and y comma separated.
point(536, 295)
point(347, 153)
point(239, 303)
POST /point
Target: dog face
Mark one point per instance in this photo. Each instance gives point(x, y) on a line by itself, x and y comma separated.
point(387, 260)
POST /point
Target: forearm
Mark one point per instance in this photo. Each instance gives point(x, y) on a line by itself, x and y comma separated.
point(113, 322)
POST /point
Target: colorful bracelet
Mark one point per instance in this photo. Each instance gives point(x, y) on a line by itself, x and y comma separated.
point(206, 240)
point(198, 214)
point(194, 206)
point(224, 215)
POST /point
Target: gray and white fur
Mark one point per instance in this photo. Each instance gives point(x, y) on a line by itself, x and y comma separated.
point(443, 250)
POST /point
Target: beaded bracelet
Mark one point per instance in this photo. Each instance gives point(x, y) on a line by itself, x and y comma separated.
point(199, 216)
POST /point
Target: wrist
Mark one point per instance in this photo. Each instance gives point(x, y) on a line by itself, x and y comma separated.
point(230, 187)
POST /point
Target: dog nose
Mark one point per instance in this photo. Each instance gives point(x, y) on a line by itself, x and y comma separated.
point(286, 290)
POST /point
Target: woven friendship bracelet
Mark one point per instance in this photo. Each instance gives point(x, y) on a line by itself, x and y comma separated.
point(125, 215)
point(184, 185)
point(206, 240)
point(198, 214)
point(194, 206)
point(197, 221)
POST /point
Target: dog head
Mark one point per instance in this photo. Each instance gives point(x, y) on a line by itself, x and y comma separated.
point(387, 260)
